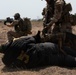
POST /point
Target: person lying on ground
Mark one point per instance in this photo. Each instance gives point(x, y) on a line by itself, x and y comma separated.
point(25, 52)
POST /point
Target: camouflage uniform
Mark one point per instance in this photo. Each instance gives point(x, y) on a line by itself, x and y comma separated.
point(28, 25)
point(54, 15)
point(20, 29)
point(44, 16)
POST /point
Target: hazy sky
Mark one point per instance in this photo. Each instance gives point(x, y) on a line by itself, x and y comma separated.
point(27, 8)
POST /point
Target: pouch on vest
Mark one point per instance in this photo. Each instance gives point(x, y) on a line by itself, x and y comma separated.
point(68, 7)
point(27, 24)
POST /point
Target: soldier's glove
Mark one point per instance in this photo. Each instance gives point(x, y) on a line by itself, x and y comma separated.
point(50, 24)
point(45, 30)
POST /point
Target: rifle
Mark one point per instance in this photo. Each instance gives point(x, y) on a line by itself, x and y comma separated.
point(8, 20)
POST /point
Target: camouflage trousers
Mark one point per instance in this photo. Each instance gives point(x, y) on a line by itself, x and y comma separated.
point(56, 30)
point(66, 27)
point(63, 27)
point(13, 34)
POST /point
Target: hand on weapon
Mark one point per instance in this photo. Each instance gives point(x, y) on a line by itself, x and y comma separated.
point(46, 29)
point(8, 20)
point(48, 25)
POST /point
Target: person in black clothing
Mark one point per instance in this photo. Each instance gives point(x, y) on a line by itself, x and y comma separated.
point(27, 53)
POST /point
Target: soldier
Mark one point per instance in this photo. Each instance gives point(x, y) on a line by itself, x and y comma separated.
point(57, 20)
point(19, 27)
point(57, 16)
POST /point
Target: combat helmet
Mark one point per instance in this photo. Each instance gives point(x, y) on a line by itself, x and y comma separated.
point(17, 16)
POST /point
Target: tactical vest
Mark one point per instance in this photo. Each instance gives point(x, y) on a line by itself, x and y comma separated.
point(20, 26)
point(65, 14)
point(24, 25)
point(50, 13)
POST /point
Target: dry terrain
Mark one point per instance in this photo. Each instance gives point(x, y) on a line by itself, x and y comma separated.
point(51, 70)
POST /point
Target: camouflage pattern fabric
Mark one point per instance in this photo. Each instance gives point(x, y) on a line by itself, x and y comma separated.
point(22, 28)
point(67, 39)
point(53, 13)
point(59, 16)
point(73, 19)
point(44, 16)
point(12, 34)
point(28, 25)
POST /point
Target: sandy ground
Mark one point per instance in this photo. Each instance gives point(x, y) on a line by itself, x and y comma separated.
point(51, 70)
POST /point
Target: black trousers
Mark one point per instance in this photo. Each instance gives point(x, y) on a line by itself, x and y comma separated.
point(39, 54)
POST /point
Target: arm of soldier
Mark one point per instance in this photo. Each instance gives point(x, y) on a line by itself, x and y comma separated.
point(57, 12)
point(13, 23)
